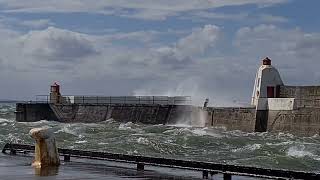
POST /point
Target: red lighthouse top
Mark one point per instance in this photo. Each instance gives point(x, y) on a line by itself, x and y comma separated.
point(55, 87)
point(266, 61)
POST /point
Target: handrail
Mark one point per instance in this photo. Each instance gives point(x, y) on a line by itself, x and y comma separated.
point(165, 100)
point(205, 167)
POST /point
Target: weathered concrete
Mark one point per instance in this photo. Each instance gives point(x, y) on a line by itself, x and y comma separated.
point(147, 114)
point(261, 121)
point(300, 92)
point(30, 112)
point(303, 121)
point(232, 118)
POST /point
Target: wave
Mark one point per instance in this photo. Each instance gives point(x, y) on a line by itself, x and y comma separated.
point(142, 140)
point(300, 151)
point(80, 142)
point(4, 120)
point(125, 126)
point(67, 129)
point(248, 148)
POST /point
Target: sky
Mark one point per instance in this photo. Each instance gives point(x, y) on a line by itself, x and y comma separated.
point(200, 48)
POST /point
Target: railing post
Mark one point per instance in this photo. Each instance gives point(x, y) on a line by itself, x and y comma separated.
point(109, 99)
point(227, 177)
point(66, 158)
point(205, 174)
point(140, 167)
point(13, 151)
point(152, 99)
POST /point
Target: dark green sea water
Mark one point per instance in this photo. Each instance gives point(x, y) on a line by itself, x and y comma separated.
point(267, 150)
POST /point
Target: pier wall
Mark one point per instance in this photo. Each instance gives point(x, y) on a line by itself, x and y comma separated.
point(243, 119)
point(301, 121)
point(300, 92)
point(91, 113)
point(26, 112)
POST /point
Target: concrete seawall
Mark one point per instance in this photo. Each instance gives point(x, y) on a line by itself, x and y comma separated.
point(233, 118)
point(302, 121)
point(147, 114)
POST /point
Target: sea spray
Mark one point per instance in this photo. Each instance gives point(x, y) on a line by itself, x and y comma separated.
point(198, 118)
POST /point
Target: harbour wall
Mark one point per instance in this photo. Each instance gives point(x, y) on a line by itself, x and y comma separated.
point(91, 113)
point(301, 121)
point(232, 118)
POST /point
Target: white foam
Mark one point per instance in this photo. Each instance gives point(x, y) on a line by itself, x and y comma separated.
point(66, 129)
point(107, 121)
point(249, 147)
point(301, 152)
point(103, 143)
point(180, 125)
point(4, 120)
point(125, 126)
point(142, 140)
point(280, 144)
point(177, 131)
point(80, 142)
point(199, 132)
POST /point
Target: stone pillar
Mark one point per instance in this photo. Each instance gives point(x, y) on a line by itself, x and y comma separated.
point(46, 152)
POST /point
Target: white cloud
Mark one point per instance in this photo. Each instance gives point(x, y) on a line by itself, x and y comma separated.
point(268, 18)
point(205, 15)
point(198, 41)
point(38, 23)
point(293, 50)
point(145, 9)
point(56, 44)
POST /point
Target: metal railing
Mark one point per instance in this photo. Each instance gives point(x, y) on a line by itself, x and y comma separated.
point(163, 100)
point(205, 167)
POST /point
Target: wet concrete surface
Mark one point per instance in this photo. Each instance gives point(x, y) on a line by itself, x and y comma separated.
point(19, 167)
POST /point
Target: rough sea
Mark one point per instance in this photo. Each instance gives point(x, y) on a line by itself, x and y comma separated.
point(280, 151)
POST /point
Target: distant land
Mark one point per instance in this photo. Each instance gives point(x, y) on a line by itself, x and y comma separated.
point(8, 101)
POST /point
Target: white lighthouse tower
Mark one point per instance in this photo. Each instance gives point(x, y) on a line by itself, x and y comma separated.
point(267, 82)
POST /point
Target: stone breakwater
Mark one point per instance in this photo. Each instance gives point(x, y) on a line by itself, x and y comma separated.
point(302, 121)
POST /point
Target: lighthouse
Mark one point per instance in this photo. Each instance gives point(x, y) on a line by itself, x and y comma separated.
point(267, 82)
point(55, 95)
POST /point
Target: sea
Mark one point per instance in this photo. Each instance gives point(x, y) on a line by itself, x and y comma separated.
point(180, 141)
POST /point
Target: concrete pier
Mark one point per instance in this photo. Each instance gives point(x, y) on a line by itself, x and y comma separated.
point(91, 113)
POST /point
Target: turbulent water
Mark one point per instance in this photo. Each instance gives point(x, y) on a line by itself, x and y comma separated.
point(267, 150)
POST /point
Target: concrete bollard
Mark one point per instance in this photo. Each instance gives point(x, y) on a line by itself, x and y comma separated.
point(46, 152)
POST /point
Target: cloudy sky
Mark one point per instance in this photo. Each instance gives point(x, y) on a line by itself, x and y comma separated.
point(202, 48)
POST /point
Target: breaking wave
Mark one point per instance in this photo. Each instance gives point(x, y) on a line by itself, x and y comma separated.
point(300, 151)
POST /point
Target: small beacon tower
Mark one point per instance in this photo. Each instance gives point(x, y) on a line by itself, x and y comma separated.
point(267, 83)
point(55, 95)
